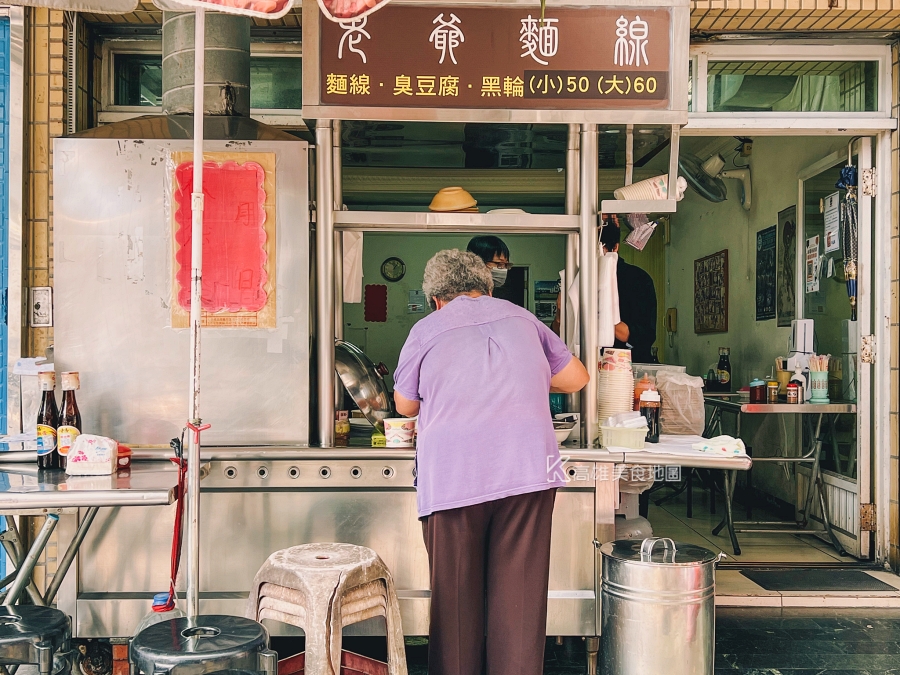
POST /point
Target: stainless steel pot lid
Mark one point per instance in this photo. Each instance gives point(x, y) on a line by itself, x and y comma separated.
point(656, 551)
point(363, 382)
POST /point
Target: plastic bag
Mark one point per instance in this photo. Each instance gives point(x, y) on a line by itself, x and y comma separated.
point(682, 411)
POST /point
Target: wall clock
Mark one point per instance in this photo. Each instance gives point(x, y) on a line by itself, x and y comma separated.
point(393, 269)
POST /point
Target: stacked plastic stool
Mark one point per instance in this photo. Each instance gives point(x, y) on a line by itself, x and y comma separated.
point(32, 635)
point(322, 588)
point(205, 644)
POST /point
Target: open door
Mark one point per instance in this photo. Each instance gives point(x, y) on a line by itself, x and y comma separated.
point(822, 293)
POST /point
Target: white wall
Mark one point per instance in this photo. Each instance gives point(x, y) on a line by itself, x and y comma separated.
point(700, 228)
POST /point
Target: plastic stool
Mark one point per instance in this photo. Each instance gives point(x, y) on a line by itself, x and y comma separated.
point(205, 644)
point(32, 635)
point(323, 587)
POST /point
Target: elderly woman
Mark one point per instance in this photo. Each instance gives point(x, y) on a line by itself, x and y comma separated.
point(478, 373)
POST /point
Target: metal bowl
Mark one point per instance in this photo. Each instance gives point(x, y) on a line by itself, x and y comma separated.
point(363, 382)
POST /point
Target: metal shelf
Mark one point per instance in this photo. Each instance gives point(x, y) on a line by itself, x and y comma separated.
point(418, 221)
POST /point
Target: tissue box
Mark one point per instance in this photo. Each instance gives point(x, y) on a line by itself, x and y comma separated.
point(92, 456)
point(622, 437)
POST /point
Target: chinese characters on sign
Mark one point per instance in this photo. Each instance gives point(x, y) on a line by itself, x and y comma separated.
point(447, 36)
point(539, 38)
point(502, 57)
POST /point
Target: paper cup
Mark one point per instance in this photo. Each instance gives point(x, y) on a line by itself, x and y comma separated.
point(399, 432)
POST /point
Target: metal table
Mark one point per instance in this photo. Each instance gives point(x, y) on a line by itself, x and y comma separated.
point(811, 456)
point(29, 491)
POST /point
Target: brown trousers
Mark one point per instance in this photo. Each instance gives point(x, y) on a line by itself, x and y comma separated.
point(490, 568)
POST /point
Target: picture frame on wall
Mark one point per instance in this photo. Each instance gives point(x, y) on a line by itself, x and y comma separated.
point(711, 293)
point(766, 254)
point(786, 273)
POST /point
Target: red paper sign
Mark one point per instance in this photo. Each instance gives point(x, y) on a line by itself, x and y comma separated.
point(234, 237)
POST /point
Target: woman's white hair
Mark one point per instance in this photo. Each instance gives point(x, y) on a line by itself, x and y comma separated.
point(452, 272)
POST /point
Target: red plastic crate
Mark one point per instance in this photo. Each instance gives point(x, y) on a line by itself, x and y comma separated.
point(351, 664)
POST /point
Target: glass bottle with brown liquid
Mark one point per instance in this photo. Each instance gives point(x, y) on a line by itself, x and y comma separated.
point(69, 417)
point(47, 422)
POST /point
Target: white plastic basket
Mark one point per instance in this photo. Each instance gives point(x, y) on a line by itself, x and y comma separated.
point(622, 437)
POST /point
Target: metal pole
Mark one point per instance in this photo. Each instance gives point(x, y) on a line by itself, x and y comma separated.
point(325, 279)
point(71, 552)
point(193, 474)
point(588, 307)
point(338, 188)
point(573, 173)
point(27, 567)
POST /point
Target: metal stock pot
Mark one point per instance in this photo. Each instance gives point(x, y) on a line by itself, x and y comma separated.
point(658, 608)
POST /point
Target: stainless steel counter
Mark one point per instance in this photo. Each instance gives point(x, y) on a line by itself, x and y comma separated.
point(24, 488)
point(779, 408)
point(256, 500)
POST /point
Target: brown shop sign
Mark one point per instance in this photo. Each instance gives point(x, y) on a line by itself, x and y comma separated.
point(505, 58)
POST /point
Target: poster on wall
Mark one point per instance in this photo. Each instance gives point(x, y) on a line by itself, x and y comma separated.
point(711, 293)
point(786, 247)
point(765, 273)
point(238, 240)
point(832, 209)
point(812, 264)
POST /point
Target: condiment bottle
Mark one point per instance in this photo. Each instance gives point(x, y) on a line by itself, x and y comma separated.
point(772, 391)
point(800, 380)
point(640, 387)
point(47, 422)
point(69, 417)
point(793, 393)
point(757, 391)
point(723, 369)
point(650, 407)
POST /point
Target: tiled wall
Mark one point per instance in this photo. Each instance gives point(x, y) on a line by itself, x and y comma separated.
point(795, 15)
point(894, 550)
point(44, 115)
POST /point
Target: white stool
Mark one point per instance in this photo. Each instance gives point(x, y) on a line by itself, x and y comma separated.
point(323, 587)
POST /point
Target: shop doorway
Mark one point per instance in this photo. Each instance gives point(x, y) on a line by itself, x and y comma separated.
point(786, 173)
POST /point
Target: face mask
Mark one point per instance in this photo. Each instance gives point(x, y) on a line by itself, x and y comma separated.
point(499, 276)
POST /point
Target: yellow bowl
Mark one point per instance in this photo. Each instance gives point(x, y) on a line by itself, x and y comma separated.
point(452, 199)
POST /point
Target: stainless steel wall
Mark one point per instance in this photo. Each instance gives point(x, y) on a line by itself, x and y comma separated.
point(250, 508)
point(113, 271)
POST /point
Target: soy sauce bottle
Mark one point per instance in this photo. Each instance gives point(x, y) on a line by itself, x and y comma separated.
point(69, 417)
point(723, 369)
point(47, 423)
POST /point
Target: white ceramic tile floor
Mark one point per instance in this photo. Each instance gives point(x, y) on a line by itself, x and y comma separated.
point(734, 589)
point(670, 520)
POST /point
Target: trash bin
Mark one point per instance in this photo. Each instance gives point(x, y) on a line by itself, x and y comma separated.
point(658, 608)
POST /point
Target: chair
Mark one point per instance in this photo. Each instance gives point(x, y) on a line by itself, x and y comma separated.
point(323, 587)
point(30, 634)
point(205, 644)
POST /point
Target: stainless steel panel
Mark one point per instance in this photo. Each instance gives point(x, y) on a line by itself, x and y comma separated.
point(113, 318)
point(251, 508)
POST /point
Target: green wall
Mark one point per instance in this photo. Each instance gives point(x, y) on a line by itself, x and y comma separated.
point(545, 255)
point(700, 228)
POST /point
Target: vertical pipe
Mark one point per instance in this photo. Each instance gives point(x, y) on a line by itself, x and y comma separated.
point(72, 73)
point(674, 149)
point(629, 154)
point(573, 173)
point(325, 279)
point(193, 476)
point(589, 195)
point(338, 187)
point(23, 577)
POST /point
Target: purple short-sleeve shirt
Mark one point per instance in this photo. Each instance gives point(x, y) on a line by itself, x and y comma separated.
point(481, 368)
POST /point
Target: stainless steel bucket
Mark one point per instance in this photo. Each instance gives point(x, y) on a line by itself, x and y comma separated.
point(658, 608)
